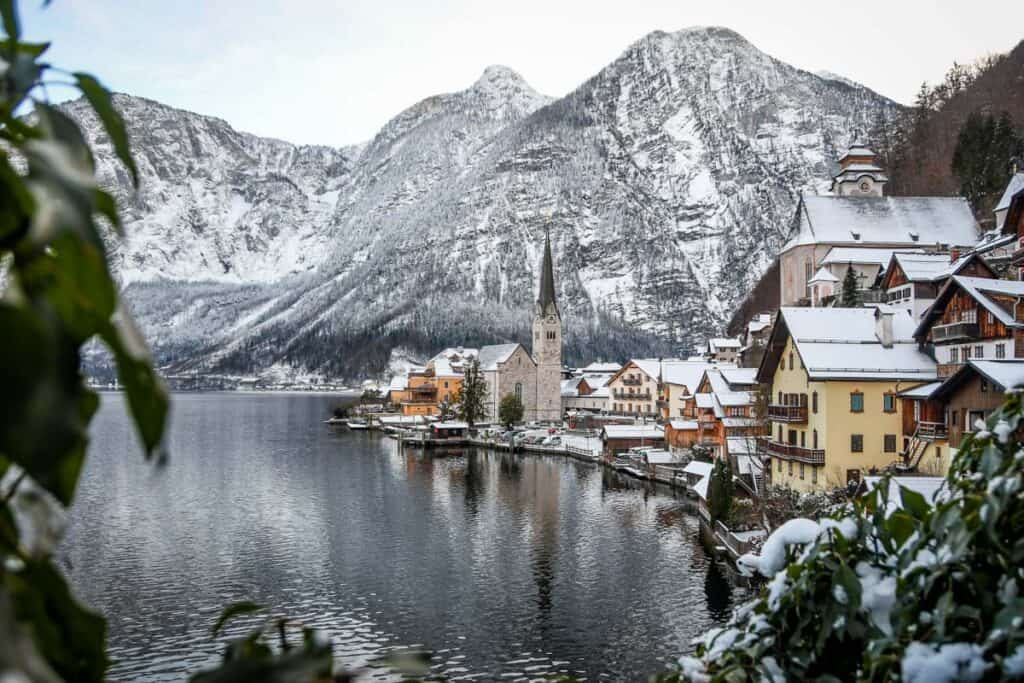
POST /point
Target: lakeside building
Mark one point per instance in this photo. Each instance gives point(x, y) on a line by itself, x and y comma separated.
point(634, 388)
point(834, 376)
point(679, 382)
point(858, 215)
point(586, 393)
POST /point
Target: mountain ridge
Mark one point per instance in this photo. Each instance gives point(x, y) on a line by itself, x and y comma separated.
point(667, 180)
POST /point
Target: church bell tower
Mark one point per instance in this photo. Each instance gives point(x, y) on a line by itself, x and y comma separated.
point(547, 342)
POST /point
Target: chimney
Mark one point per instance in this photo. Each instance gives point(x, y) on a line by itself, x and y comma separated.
point(954, 255)
point(883, 326)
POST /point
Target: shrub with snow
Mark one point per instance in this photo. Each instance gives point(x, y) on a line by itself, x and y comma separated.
point(911, 590)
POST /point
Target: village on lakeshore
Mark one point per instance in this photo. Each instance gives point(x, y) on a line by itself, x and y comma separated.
point(895, 327)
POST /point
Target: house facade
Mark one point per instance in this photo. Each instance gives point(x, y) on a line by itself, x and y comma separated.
point(834, 376)
point(912, 280)
point(634, 389)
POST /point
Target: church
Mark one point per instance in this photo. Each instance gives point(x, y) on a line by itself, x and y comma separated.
point(536, 378)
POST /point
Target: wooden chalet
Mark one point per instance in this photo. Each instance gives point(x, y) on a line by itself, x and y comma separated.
point(912, 280)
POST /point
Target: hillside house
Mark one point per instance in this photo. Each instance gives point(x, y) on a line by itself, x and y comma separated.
point(912, 280)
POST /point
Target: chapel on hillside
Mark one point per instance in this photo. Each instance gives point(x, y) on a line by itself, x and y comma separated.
point(535, 378)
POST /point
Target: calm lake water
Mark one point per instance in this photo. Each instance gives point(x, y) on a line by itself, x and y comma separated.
point(501, 566)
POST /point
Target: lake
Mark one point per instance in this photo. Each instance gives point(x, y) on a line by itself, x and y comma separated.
point(517, 567)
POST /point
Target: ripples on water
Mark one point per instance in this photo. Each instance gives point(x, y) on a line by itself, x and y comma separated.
point(513, 567)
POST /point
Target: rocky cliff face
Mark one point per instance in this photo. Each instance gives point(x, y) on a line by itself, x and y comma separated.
point(667, 182)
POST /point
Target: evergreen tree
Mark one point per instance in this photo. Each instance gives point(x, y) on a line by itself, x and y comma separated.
point(720, 490)
point(510, 410)
point(471, 399)
point(851, 292)
point(984, 150)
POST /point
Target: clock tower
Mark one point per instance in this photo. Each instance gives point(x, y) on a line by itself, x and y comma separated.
point(547, 343)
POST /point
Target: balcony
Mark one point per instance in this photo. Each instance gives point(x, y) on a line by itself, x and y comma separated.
point(423, 390)
point(958, 330)
point(632, 381)
point(813, 456)
point(931, 431)
point(624, 396)
point(796, 414)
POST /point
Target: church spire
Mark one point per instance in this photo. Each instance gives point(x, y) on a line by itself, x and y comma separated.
point(546, 304)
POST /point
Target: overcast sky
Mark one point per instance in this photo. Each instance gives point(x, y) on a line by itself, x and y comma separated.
point(333, 72)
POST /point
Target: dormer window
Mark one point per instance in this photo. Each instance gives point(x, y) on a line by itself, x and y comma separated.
point(856, 235)
point(915, 236)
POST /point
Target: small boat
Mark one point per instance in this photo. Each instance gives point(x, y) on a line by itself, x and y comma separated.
point(358, 424)
point(336, 421)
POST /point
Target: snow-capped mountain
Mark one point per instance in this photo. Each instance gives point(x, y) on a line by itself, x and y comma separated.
point(667, 182)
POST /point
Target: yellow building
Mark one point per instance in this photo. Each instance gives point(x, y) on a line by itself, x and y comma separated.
point(835, 375)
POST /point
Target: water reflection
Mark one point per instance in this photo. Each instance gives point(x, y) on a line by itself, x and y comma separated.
point(500, 565)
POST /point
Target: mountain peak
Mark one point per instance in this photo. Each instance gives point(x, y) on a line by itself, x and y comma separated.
point(501, 78)
point(505, 94)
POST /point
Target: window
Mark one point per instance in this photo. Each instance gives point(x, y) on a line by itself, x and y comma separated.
point(856, 402)
point(519, 392)
point(814, 439)
point(790, 360)
point(801, 471)
point(814, 474)
point(814, 403)
point(889, 403)
point(790, 467)
point(954, 355)
point(953, 414)
point(1000, 350)
point(857, 443)
point(446, 385)
point(938, 452)
point(890, 443)
point(803, 439)
point(984, 384)
point(780, 433)
point(551, 334)
point(979, 351)
point(966, 353)
point(780, 398)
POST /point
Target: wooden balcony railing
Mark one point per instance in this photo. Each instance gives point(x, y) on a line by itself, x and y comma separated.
point(632, 381)
point(944, 370)
point(787, 413)
point(625, 396)
point(931, 431)
point(958, 330)
point(767, 446)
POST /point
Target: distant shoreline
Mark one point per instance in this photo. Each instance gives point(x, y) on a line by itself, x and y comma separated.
point(349, 393)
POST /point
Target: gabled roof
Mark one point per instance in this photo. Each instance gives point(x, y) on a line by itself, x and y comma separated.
point(684, 373)
point(759, 322)
point(978, 288)
point(649, 366)
point(399, 383)
point(823, 275)
point(633, 432)
point(684, 425)
point(601, 367)
point(490, 356)
point(1015, 185)
point(883, 221)
point(738, 377)
point(857, 149)
point(1004, 374)
point(570, 387)
point(922, 392)
point(878, 256)
point(546, 297)
point(842, 343)
point(723, 343)
point(921, 267)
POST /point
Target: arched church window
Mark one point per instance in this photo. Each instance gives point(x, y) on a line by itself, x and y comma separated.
point(519, 392)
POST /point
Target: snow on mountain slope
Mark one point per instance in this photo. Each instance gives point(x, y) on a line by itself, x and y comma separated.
point(667, 180)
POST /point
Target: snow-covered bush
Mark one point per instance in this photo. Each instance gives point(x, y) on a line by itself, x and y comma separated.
point(892, 589)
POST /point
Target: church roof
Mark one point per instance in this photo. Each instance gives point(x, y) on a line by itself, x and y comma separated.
point(546, 304)
point(490, 356)
point(867, 221)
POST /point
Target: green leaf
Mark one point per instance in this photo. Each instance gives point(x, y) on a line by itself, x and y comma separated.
point(9, 12)
point(16, 205)
point(31, 49)
point(235, 610)
point(147, 396)
point(106, 206)
point(102, 103)
point(914, 503)
point(69, 636)
point(61, 127)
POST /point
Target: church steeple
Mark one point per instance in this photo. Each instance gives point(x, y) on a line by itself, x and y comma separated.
point(546, 304)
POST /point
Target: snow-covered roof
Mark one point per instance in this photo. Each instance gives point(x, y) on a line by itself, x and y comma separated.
point(722, 343)
point(390, 420)
point(684, 425)
point(978, 287)
point(870, 255)
point(1015, 185)
point(685, 373)
point(596, 380)
point(601, 367)
point(701, 487)
point(857, 150)
point(570, 387)
point(926, 486)
point(698, 467)
point(704, 400)
point(490, 356)
point(1006, 373)
point(399, 383)
point(841, 343)
point(823, 275)
point(920, 267)
point(451, 362)
point(922, 392)
point(450, 425)
point(600, 392)
point(759, 322)
point(737, 377)
point(864, 221)
point(633, 432)
point(740, 421)
point(650, 366)
point(659, 457)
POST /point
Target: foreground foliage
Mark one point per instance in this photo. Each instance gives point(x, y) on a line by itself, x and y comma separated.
point(892, 587)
